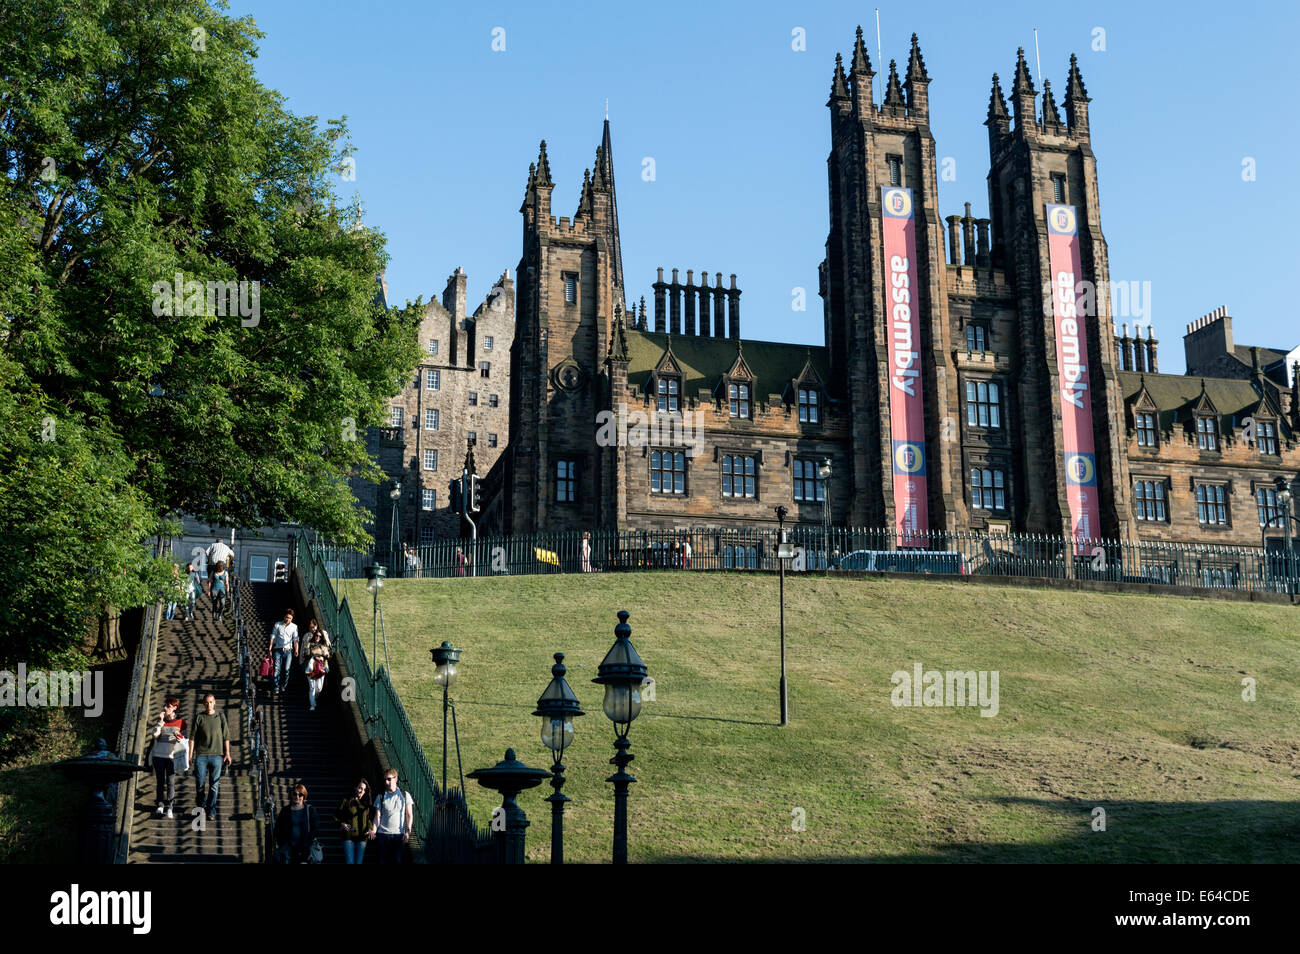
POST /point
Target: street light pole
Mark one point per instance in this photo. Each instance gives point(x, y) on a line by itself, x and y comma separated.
point(784, 551)
point(621, 672)
point(824, 473)
point(445, 658)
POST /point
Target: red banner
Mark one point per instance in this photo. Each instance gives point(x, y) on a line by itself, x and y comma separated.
point(906, 411)
point(1080, 458)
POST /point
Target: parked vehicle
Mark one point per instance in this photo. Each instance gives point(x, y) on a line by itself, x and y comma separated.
point(905, 561)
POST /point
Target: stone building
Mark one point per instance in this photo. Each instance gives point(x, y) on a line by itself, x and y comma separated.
point(459, 395)
point(970, 378)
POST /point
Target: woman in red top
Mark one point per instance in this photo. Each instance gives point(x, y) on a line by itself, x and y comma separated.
point(169, 730)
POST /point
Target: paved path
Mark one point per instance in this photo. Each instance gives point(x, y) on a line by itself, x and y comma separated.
point(195, 657)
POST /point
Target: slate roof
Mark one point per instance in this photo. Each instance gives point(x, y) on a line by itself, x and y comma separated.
point(1176, 394)
point(705, 360)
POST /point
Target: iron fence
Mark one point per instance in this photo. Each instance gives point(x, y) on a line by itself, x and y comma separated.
point(848, 548)
point(448, 829)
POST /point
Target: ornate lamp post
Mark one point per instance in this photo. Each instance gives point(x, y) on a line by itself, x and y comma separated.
point(445, 658)
point(1284, 501)
point(621, 673)
point(395, 496)
point(824, 477)
point(98, 769)
point(374, 583)
point(558, 707)
point(510, 777)
point(784, 552)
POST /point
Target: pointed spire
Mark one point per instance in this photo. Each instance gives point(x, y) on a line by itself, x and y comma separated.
point(1023, 83)
point(605, 182)
point(916, 64)
point(861, 62)
point(1051, 118)
point(618, 340)
point(1074, 89)
point(839, 82)
point(543, 177)
point(1076, 101)
point(998, 115)
point(584, 201)
point(893, 91)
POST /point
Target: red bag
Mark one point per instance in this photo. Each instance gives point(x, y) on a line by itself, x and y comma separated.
point(265, 669)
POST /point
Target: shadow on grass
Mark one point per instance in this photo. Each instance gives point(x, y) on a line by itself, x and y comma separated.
point(1137, 832)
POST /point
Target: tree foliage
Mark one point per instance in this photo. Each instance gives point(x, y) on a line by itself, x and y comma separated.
point(137, 148)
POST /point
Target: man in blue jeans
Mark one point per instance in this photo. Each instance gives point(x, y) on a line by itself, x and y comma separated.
point(392, 821)
point(209, 752)
point(284, 649)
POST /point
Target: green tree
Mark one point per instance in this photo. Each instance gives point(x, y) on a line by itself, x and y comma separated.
point(138, 146)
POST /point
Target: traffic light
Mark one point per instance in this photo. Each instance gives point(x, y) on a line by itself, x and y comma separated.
point(457, 497)
point(475, 503)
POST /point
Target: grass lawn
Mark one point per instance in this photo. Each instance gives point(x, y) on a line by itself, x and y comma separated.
point(1132, 704)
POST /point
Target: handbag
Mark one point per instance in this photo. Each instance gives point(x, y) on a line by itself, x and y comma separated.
point(264, 670)
point(315, 854)
point(181, 757)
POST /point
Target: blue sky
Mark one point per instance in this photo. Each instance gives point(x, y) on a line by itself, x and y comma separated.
point(735, 120)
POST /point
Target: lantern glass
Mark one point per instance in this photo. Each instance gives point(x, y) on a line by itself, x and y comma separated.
point(445, 675)
point(374, 584)
point(557, 733)
point(622, 703)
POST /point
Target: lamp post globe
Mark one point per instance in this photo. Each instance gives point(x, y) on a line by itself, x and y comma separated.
point(622, 673)
point(557, 707)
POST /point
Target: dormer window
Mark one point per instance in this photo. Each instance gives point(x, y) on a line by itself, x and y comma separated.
point(1207, 434)
point(738, 395)
point(668, 394)
point(1146, 429)
point(1266, 436)
point(808, 406)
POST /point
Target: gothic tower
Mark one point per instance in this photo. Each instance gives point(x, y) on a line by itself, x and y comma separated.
point(1043, 161)
point(570, 279)
point(875, 147)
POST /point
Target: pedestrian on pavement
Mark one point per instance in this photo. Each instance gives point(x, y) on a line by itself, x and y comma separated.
point(354, 816)
point(309, 638)
point(586, 552)
point(175, 591)
point(169, 739)
point(686, 552)
point(209, 753)
point(318, 666)
point(194, 588)
point(220, 552)
point(220, 587)
point(392, 821)
point(295, 831)
point(461, 561)
point(283, 647)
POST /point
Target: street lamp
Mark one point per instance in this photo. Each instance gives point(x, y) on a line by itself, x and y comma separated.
point(824, 477)
point(445, 658)
point(784, 551)
point(1284, 501)
point(375, 583)
point(621, 673)
point(394, 495)
point(558, 707)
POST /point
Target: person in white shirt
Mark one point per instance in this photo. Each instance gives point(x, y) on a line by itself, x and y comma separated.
point(393, 817)
point(686, 554)
point(220, 552)
point(283, 647)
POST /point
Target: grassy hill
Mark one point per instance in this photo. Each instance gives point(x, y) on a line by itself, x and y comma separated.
point(1132, 704)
